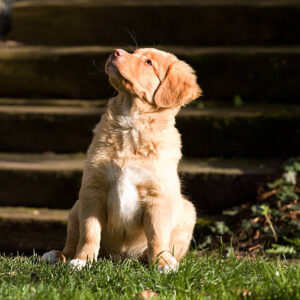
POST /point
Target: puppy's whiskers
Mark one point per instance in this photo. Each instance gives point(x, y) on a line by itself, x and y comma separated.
point(133, 37)
point(128, 47)
point(98, 70)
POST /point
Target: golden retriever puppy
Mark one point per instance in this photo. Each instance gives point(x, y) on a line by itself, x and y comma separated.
point(130, 202)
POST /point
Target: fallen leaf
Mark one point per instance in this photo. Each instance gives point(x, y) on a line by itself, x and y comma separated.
point(257, 235)
point(242, 292)
point(258, 246)
point(255, 220)
point(146, 294)
point(267, 195)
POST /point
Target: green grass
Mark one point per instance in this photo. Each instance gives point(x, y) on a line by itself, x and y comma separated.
point(199, 277)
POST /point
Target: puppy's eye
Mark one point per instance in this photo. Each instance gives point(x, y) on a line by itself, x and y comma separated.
point(148, 62)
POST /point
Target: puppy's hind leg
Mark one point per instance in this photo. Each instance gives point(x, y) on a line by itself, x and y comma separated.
point(182, 234)
point(158, 218)
point(71, 242)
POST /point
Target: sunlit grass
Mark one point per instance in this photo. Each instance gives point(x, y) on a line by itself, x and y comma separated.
point(199, 277)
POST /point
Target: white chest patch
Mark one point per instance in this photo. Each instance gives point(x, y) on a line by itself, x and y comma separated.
point(123, 202)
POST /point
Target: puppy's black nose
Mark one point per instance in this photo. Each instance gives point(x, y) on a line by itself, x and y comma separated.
point(119, 52)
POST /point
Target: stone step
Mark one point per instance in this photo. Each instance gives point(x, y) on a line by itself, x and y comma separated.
point(250, 131)
point(53, 181)
point(252, 73)
point(202, 22)
point(26, 230)
point(52, 102)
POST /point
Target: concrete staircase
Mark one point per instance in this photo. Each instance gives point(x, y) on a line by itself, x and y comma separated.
point(247, 58)
point(256, 74)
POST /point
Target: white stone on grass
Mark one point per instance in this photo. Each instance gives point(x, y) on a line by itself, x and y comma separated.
point(50, 257)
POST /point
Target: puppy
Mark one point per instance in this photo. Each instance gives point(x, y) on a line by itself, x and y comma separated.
point(130, 202)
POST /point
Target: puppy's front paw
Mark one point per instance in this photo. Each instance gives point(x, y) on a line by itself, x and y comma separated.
point(53, 257)
point(77, 264)
point(167, 264)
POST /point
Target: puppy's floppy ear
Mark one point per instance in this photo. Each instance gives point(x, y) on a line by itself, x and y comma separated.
point(178, 87)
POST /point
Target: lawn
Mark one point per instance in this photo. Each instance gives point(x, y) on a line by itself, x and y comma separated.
point(200, 277)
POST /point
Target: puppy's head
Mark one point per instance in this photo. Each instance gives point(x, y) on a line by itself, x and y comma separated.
point(155, 76)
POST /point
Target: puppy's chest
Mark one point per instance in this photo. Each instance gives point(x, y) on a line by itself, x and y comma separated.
point(124, 205)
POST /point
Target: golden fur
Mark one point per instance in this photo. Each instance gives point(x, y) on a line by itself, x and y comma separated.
point(130, 202)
